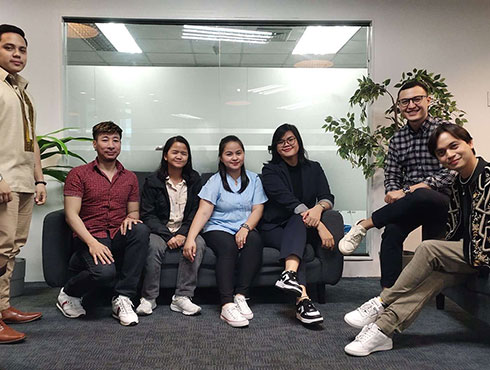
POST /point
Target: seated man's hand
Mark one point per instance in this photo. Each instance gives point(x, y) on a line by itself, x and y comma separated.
point(5, 192)
point(393, 196)
point(326, 237)
point(101, 253)
point(189, 250)
point(128, 223)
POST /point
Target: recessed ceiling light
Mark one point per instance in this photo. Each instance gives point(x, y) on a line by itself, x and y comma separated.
point(208, 33)
point(314, 63)
point(321, 40)
point(119, 36)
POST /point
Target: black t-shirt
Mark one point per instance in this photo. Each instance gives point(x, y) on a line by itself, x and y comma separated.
point(296, 180)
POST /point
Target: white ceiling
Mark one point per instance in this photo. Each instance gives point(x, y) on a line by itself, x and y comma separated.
point(162, 45)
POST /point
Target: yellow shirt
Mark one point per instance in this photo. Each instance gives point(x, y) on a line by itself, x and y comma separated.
point(17, 133)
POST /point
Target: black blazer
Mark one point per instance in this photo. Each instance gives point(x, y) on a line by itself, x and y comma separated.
point(155, 205)
point(282, 201)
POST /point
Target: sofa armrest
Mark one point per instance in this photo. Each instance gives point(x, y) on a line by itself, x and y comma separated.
point(332, 260)
point(57, 248)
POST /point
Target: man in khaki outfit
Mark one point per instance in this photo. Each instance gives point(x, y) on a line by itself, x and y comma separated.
point(437, 264)
point(21, 178)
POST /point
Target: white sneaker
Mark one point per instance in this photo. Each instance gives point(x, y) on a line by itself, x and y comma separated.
point(146, 306)
point(349, 243)
point(241, 303)
point(365, 314)
point(70, 306)
point(369, 340)
point(184, 305)
point(231, 314)
point(122, 309)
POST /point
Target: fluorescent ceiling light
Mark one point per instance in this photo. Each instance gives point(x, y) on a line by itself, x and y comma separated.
point(191, 32)
point(296, 106)
point(321, 40)
point(119, 36)
point(268, 90)
point(185, 116)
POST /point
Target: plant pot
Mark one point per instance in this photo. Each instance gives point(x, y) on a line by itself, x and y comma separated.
point(17, 279)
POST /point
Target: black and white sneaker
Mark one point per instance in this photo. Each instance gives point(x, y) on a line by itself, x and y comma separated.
point(307, 313)
point(289, 283)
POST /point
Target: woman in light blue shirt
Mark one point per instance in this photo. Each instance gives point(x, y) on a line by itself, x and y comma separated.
point(231, 205)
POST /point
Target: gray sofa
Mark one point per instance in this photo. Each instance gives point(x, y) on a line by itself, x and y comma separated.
point(323, 266)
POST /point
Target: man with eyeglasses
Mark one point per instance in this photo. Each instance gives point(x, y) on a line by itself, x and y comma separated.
point(416, 185)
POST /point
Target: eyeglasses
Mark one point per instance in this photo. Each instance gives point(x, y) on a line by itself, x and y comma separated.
point(416, 100)
point(290, 141)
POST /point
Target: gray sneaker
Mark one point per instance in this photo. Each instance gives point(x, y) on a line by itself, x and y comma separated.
point(349, 243)
point(70, 306)
point(184, 305)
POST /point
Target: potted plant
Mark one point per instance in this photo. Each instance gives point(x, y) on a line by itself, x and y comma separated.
point(366, 147)
point(50, 145)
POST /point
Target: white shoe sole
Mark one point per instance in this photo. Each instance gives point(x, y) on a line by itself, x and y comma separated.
point(385, 347)
point(355, 325)
point(235, 324)
point(288, 289)
point(66, 315)
point(132, 323)
point(318, 320)
point(346, 250)
point(176, 308)
point(143, 313)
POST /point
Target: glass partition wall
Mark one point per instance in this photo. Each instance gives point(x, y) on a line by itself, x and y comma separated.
point(206, 80)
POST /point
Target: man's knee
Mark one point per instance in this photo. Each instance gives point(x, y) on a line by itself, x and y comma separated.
point(103, 274)
point(139, 231)
point(156, 245)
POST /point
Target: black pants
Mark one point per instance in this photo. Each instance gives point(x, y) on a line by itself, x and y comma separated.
point(129, 253)
point(424, 207)
point(248, 261)
point(290, 238)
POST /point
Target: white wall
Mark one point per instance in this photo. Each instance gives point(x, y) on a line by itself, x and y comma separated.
point(447, 36)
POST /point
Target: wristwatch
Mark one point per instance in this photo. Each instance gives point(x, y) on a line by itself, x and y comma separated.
point(322, 205)
point(406, 189)
point(245, 226)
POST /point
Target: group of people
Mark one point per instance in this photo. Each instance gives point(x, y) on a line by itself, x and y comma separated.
point(179, 214)
point(433, 179)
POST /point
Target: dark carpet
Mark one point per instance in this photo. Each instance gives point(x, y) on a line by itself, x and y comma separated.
point(449, 339)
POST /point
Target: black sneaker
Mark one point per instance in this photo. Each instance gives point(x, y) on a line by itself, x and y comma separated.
point(289, 283)
point(307, 313)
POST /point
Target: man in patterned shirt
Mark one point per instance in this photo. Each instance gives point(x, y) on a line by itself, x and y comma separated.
point(102, 209)
point(416, 185)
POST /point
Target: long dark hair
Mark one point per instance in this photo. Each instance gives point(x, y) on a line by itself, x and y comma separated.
point(187, 171)
point(278, 134)
point(222, 168)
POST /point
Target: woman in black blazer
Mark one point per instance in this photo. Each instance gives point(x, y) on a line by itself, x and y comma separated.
point(298, 194)
point(168, 204)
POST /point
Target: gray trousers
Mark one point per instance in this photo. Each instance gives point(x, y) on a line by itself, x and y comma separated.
point(437, 264)
point(187, 273)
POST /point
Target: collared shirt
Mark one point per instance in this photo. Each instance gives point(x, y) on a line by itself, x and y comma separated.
point(17, 133)
point(104, 202)
point(231, 209)
point(177, 195)
point(409, 162)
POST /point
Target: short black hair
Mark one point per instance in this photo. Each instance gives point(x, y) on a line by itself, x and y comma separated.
point(413, 83)
point(452, 129)
point(8, 28)
point(107, 127)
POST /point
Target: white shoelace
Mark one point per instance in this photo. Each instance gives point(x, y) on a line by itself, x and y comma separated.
point(369, 308)
point(124, 304)
point(366, 333)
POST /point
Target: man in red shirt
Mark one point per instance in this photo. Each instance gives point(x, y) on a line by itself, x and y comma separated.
point(102, 209)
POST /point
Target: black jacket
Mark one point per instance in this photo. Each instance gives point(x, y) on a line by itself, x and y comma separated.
point(155, 205)
point(282, 201)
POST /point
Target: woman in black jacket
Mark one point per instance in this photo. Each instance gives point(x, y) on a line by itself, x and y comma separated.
point(168, 205)
point(298, 194)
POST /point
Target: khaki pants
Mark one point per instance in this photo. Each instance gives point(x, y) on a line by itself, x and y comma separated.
point(15, 219)
point(437, 264)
